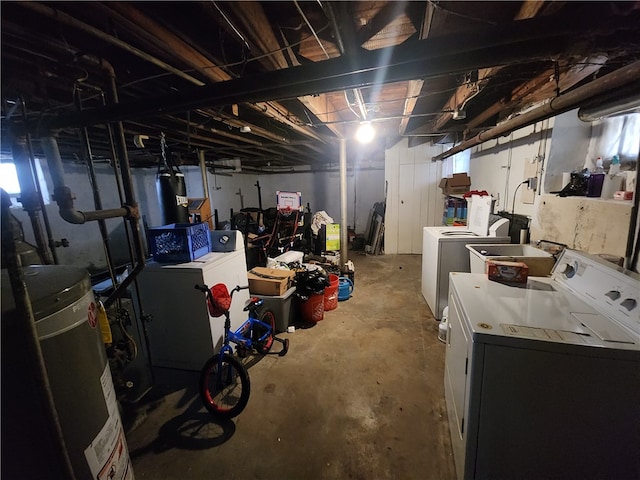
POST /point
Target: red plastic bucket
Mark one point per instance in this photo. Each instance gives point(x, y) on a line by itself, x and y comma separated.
point(331, 293)
point(312, 310)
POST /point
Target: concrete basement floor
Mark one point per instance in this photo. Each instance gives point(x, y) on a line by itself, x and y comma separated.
point(360, 396)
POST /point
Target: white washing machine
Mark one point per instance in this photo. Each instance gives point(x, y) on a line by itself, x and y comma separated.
point(542, 380)
point(444, 251)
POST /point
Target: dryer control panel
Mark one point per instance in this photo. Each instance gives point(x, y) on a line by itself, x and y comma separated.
point(610, 289)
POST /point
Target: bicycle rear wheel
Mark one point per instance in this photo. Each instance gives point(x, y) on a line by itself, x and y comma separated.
point(224, 386)
point(264, 346)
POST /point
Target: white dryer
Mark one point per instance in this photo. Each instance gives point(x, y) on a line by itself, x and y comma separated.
point(444, 250)
point(542, 380)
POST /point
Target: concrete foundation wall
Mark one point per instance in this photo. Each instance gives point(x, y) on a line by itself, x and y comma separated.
point(500, 165)
point(321, 190)
point(544, 151)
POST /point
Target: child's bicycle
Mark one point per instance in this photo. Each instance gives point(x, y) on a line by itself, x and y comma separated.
point(224, 380)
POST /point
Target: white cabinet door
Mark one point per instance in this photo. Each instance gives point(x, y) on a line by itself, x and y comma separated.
point(414, 198)
point(407, 208)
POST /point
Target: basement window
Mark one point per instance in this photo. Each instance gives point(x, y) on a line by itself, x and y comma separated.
point(10, 184)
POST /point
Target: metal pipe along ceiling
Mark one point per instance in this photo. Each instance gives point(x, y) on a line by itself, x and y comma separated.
point(563, 103)
point(428, 58)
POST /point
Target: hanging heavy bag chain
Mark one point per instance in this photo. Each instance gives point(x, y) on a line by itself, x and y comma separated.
point(163, 146)
point(163, 151)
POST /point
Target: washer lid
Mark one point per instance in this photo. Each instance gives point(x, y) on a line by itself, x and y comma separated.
point(479, 212)
point(458, 233)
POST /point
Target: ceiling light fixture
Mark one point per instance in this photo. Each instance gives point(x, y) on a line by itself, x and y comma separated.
point(245, 129)
point(365, 132)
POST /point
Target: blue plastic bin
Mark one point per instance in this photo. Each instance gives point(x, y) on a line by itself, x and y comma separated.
point(178, 242)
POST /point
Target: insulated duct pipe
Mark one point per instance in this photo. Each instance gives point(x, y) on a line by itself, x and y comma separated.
point(343, 203)
point(64, 198)
point(29, 193)
point(563, 103)
point(62, 194)
point(45, 216)
point(619, 103)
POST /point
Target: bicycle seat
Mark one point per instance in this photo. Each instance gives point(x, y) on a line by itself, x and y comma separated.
point(253, 302)
point(219, 300)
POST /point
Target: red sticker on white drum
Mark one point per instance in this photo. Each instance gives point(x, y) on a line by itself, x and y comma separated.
point(92, 315)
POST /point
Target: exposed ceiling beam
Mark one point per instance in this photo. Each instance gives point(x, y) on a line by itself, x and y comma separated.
point(387, 14)
point(522, 40)
point(293, 58)
point(256, 26)
point(172, 42)
point(528, 9)
point(278, 112)
point(540, 88)
point(221, 132)
point(168, 39)
point(568, 76)
point(627, 75)
point(68, 20)
point(322, 107)
point(194, 58)
point(238, 123)
point(415, 86)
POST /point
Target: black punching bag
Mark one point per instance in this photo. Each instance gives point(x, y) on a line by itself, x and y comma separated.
point(172, 195)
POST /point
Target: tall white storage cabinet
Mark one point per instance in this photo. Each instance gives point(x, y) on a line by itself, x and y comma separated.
point(181, 333)
point(413, 197)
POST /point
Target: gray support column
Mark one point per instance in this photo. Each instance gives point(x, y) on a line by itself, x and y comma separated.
point(343, 202)
point(203, 171)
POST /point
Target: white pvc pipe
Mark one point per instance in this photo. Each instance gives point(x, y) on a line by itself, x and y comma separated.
point(203, 171)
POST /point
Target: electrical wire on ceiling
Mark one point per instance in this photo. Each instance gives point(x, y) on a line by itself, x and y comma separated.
point(437, 5)
point(379, 119)
point(226, 65)
point(304, 17)
point(349, 105)
point(233, 27)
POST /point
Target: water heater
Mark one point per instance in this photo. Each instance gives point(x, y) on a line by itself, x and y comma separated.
point(65, 313)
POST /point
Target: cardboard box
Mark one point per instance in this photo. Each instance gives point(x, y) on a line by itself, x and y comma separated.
point(269, 281)
point(507, 272)
point(459, 183)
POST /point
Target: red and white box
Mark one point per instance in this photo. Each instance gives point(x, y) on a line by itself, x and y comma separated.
point(507, 272)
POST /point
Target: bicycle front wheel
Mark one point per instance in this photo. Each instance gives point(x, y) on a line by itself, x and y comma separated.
point(224, 386)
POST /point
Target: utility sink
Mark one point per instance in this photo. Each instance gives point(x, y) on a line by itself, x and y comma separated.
point(539, 262)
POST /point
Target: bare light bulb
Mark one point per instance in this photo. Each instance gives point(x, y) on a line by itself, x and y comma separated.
point(365, 132)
